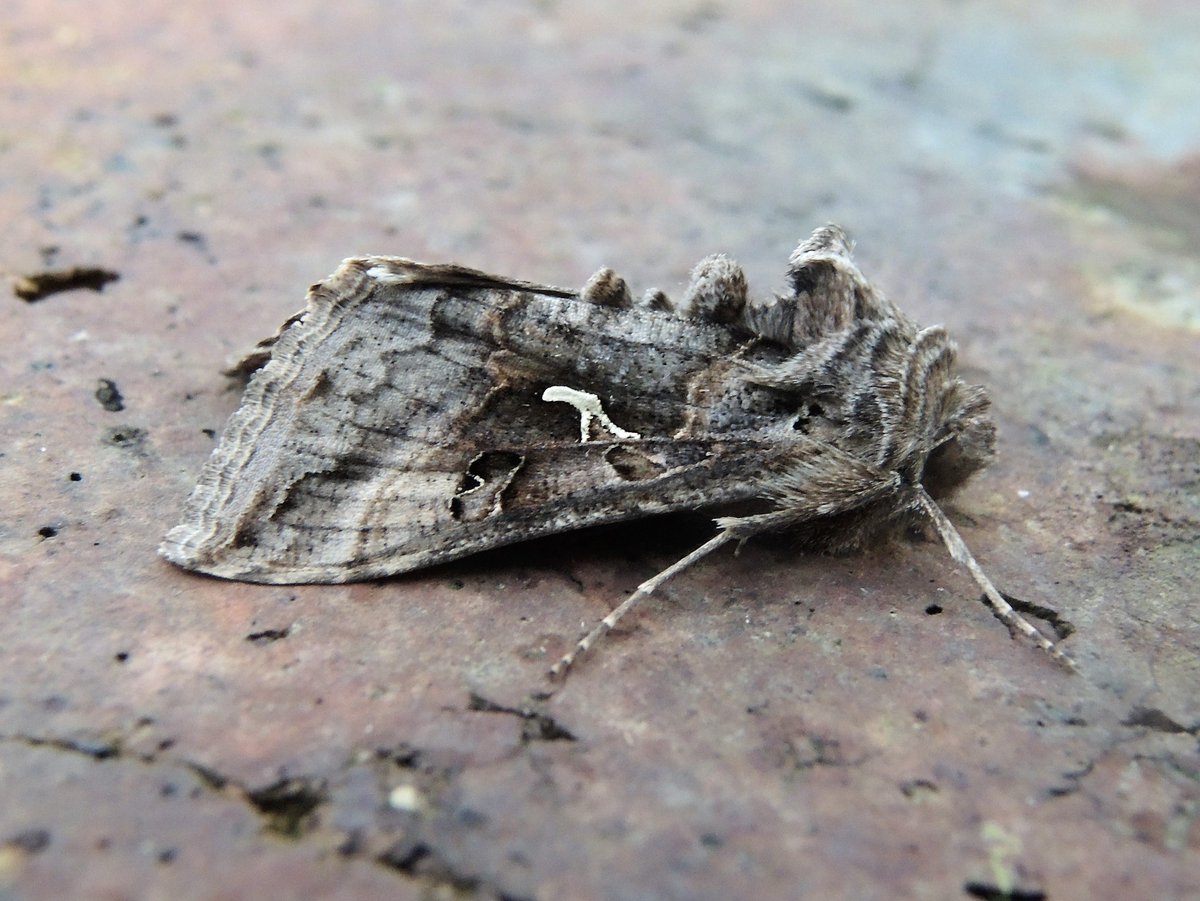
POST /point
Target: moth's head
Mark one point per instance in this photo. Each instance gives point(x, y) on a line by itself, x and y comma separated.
point(964, 441)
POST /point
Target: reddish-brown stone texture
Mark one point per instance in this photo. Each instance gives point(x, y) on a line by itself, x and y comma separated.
point(774, 725)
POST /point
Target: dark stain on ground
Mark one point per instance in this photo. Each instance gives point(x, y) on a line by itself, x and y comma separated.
point(197, 240)
point(31, 841)
point(109, 396)
point(39, 285)
point(1153, 495)
point(267, 636)
point(126, 437)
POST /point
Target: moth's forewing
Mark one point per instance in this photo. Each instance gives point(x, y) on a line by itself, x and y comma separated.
point(398, 422)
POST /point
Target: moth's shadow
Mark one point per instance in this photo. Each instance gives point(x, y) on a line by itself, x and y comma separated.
point(633, 550)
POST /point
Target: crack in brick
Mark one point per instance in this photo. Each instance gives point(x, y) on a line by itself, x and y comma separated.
point(420, 860)
point(537, 726)
point(1072, 781)
point(285, 807)
point(1063, 627)
point(1157, 720)
point(988, 892)
point(289, 808)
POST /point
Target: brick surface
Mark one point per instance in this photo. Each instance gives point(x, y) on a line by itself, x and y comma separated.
point(773, 725)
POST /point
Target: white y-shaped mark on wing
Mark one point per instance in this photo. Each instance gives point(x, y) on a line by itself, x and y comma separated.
point(589, 408)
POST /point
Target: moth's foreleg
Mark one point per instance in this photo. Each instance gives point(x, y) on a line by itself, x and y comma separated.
point(605, 625)
point(1003, 610)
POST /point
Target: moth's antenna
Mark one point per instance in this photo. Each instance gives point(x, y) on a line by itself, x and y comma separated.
point(1003, 610)
point(605, 625)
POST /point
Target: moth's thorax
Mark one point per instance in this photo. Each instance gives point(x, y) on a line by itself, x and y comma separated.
point(881, 390)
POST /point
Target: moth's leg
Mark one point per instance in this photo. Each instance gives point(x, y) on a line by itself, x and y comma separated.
point(605, 625)
point(961, 553)
point(717, 291)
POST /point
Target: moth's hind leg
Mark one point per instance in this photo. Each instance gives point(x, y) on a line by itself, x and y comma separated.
point(605, 625)
point(1003, 610)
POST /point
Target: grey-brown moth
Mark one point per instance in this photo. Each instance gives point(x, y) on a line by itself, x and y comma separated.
point(415, 413)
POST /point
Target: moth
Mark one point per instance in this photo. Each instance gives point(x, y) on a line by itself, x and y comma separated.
point(412, 414)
